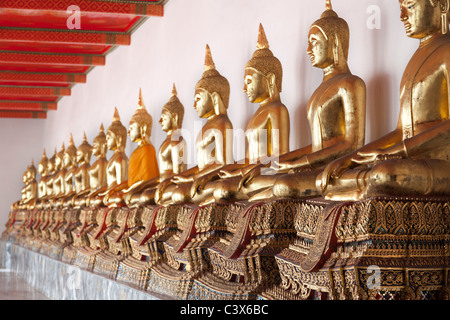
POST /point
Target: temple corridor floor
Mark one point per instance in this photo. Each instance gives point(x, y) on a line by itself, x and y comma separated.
point(14, 288)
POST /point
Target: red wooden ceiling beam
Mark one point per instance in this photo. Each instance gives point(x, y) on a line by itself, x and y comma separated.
point(27, 106)
point(32, 91)
point(24, 114)
point(62, 37)
point(143, 8)
point(51, 59)
point(47, 78)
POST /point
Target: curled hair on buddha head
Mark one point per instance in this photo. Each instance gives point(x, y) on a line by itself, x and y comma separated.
point(85, 147)
point(444, 6)
point(118, 129)
point(175, 108)
point(32, 169)
point(335, 30)
point(212, 81)
point(71, 149)
point(264, 61)
point(44, 160)
point(142, 117)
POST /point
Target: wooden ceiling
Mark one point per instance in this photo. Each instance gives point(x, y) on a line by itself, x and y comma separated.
point(48, 46)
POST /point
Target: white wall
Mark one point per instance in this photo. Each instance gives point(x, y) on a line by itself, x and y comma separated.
point(171, 49)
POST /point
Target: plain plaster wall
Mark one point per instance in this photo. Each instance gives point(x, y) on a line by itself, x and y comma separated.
point(172, 49)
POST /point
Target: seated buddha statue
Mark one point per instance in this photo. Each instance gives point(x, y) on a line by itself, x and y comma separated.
point(143, 164)
point(81, 175)
point(58, 179)
point(31, 188)
point(171, 154)
point(117, 167)
point(267, 131)
point(336, 114)
point(42, 184)
point(97, 171)
point(16, 205)
point(71, 165)
point(413, 159)
point(214, 145)
point(29, 192)
point(51, 172)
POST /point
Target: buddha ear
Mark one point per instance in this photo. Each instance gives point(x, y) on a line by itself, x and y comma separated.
point(174, 120)
point(336, 49)
point(219, 107)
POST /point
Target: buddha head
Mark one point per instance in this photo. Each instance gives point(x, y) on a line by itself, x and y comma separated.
point(70, 154)
point(25, 177)
point(263, 72)
point(84, 151)
point(99, 145)
point(116, 135)
point(43, 165)
point(212, 92)
point(31, 172)
point(51, 164)
point(59, 158)
point(422, 18)
point(172, 113)
point(328, 40)
point(141, 123)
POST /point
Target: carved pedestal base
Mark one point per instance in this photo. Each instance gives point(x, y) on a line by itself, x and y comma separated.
point(107, 264)
point(382, 248)
point(85, 258)
point(243, 262)
point(186, 252)
point(68, 255)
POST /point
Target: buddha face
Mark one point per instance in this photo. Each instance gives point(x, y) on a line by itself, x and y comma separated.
point(68, 159)
point(25, 177)
point(419, 17)
point(255, 86)
point(58, 161)
point(111, 140)
point(134, 131)
point(319, 49)
point(80, 156)
point(98, 147)
point(203, 103)
point(50, 166)
point(166, 120)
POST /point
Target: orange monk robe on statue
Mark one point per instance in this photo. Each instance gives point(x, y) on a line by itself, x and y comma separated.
point(143, 164)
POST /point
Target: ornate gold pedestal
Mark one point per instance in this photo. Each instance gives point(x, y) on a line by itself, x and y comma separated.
point(74, 233)
point(243, 262)
point(186, 252)
point(382, 248)
point(16, 222)
point(156, 225)
point(89, 237)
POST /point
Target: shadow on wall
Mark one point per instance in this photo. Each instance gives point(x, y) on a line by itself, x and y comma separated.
point(379, 111)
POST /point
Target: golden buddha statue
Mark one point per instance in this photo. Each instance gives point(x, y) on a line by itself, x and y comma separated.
point(71, 166)
point(50, 177)
point(29, 192)
point(267, 131)
point(97, 171)
point(336, 113)
point(43, 172)
point(171, 154)
point(81, 176)
point(214, 144)
point(18, 204)
point(143, 164)
point(58, 179)
point(117, 167)
point(413, 158)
